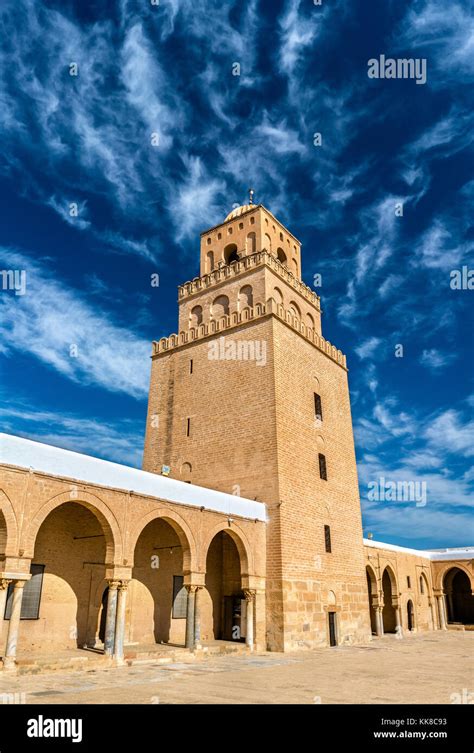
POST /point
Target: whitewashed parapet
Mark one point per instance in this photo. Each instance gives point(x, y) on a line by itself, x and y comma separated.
point(241, 317)
point(227, 271)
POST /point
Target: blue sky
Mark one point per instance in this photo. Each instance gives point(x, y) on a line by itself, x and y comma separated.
point(167, 69)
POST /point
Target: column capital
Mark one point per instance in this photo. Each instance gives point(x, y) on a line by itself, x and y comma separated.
point(113, 584)
point(191, 588)
point(123, 585)
point(249, 594)
point(4, 583)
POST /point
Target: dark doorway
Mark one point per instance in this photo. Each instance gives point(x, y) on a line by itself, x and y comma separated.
point(224, 586)
point(410, 615)
point(103, 615)
point(233, 628)
point(459, 598)
point(332, 628)
point(388, 613)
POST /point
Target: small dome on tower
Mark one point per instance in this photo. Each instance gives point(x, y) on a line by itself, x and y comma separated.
point(238, 211)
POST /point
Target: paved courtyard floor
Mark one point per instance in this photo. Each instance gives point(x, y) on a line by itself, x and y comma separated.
point(427, 668)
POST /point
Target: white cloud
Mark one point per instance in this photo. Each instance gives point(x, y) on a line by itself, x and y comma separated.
point(444, 34)
point(120, 441)
point(450, 434)
point(297, 33)
point(436, 360)
point(197, 197)
point(368, 347)
point(51, 318)
point(64, 208)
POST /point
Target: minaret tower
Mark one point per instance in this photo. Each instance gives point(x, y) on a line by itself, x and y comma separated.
point(249, 398)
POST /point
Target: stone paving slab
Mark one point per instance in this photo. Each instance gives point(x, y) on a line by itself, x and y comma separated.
point(417, 669)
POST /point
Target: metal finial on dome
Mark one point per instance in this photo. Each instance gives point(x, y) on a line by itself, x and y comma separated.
point(251, 193)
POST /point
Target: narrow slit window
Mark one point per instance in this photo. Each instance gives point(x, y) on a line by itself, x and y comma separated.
point(191, 366)
point(188, 427)
point(318, 410)
point(322, 467)
point(327, 538)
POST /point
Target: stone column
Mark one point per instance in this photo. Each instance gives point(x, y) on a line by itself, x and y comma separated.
point(249, 629)
point(441, 613)
point(120, 621)
point(4, 583)
point(448, 606)
point(9, 659)
point(433, 615)
point(379, 621)
point(190, 615)
point(110, 620)
point(197, 617)
point(398, 621)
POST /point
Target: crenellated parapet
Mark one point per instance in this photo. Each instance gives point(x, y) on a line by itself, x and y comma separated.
point(237, 318)
point(246, 263)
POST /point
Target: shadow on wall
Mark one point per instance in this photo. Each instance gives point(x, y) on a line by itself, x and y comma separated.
point(158, 562)
point(71, 546)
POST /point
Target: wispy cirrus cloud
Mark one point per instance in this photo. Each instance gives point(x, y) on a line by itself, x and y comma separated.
point(435, 359)
point(120, 440)
point(56, 324)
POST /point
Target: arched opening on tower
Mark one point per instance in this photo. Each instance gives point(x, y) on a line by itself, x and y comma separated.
point(220, 307)
point(459, 598)
point(157, 586)
point(209, 261)
point(230, 254)
point(281, 256)
point(295, 310)
point(251, 244)
point(388, 613)
point(195, 317)
point(223, 602)
point(245, 297)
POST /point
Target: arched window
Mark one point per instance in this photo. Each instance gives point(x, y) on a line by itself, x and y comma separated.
point(210, 261)
point(186, 470)
point(295, 310)
point(230, 253)
point(278, 295)
point(195, 317)
point(281, 256)
point(251, 243)
point(245, 297)
point(267, 243)
point(309, 321)
point(295, 267)
point(220, 306)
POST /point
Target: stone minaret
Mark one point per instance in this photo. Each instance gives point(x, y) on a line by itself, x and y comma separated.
point(249, 398)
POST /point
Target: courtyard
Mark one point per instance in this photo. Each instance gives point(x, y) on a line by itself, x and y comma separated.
point(434, 667)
